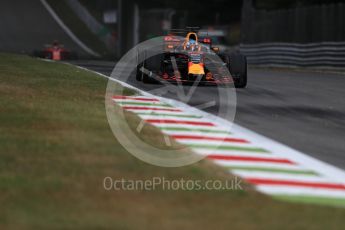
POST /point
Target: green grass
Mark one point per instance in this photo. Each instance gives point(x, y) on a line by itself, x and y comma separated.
point(78, 27)
point(56, 148)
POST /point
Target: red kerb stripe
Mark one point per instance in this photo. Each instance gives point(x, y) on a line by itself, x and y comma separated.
point(253, 159)
point(135, 98)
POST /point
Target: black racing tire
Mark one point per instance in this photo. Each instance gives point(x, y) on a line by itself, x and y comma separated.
point(147, 79)
point(139, 74)
point(152, 64)
point(238, 69)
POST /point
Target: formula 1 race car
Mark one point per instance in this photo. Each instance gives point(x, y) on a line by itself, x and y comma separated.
point(55, 51)
point(192, 58)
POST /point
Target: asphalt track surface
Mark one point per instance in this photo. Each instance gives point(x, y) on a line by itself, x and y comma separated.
point(304, 110)
point(27, 25)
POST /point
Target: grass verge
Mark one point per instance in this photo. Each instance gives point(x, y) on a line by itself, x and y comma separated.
point(56, 148)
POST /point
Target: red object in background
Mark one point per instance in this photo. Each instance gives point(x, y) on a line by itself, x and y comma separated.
point(207, 40)
point(56, 55)
point(56, 52)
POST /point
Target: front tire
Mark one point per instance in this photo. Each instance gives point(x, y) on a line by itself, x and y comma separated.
point(139, 75)
point(152, 64)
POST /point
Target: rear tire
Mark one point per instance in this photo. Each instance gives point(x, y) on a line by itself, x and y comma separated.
point(238, 69)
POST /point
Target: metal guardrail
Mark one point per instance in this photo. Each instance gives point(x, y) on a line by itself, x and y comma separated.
point(321, 55)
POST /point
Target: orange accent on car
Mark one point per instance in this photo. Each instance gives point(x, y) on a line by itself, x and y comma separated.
point(197, 69)
point(209, 76)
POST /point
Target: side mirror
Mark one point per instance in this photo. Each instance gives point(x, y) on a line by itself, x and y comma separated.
point(215, 49)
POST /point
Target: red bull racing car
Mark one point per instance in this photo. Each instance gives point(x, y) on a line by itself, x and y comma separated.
point(55, 51)
point(192, 58)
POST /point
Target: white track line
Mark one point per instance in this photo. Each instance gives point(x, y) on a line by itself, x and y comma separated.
point(155, 106)
point(164, 125)
point(281, 176)
point(287, 190)
point(149, 116)
point(153, 111)
point(231, 153)
point(205, 134)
